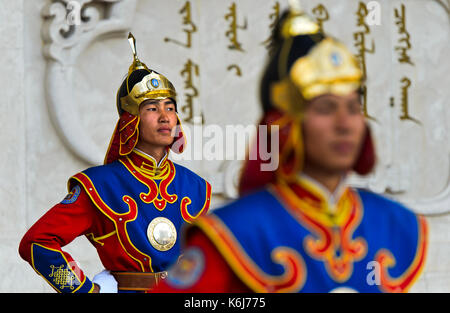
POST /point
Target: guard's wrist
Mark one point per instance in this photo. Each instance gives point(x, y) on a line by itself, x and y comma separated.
point(96, 288)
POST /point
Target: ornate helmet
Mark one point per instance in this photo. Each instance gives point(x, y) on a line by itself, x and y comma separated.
point(140, 84)
point(304, 63)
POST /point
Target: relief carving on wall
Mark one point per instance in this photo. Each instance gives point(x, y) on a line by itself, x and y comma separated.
point(391, 121)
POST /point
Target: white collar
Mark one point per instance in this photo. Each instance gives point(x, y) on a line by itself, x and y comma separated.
point(332, 197)
point(151, 157)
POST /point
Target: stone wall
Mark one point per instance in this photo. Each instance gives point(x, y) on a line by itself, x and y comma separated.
point(58, 88)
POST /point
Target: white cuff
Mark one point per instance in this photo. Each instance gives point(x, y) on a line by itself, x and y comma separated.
point(106, 282)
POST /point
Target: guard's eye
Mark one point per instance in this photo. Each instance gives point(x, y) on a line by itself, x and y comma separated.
point(355, 107)
point(325, 107)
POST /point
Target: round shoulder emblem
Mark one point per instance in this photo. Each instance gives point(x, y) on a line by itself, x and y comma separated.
point(188, 270)
point(72, 196)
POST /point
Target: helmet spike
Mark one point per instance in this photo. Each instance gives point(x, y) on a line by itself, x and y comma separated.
point(145, 84)
point(137, 64)
point(295, 6)
point(132, 42)
point(298, 22)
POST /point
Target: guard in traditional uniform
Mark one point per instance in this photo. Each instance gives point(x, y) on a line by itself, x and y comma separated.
point(290, 231)
point(132, 207)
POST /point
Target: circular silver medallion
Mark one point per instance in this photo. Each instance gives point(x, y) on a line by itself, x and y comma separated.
point(161, 233)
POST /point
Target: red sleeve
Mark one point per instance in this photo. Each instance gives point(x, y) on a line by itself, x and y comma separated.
point(210, 274)
point(59, 226)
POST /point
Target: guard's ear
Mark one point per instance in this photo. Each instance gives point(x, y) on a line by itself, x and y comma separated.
point(179, 142)
point(367, 157)
point(252, 177)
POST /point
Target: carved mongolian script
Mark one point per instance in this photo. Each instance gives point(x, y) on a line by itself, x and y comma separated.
point(232, 33)
point(236, 68)
point(189, 29)
point(404, 43)
point(190, 69)
point(406, 83)
point(274, 16)
point(403, 47)
point(188, 72)
point(361, 46)
point(321, 14)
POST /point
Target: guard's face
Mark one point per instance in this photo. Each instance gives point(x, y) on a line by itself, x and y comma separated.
point(333, 130)
point(157, 120)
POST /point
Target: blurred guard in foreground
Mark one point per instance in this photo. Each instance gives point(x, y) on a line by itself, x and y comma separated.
point(301, 228)
point(132, 207)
